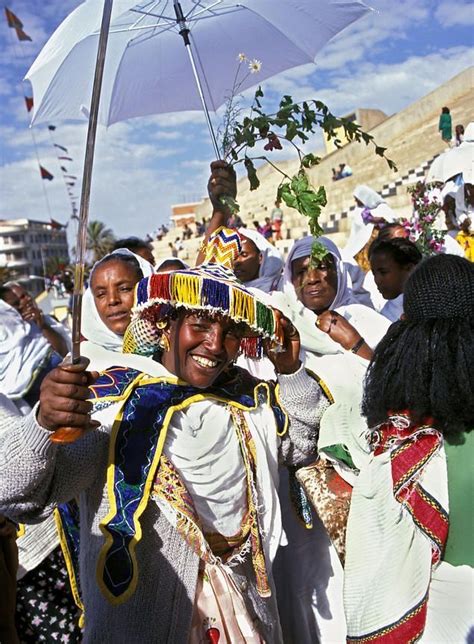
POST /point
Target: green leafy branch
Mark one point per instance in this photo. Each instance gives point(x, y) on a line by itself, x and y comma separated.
point(293, 123)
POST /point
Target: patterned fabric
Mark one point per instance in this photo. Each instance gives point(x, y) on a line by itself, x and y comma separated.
point(220, 615)
point(45, 608)
point(136, 447)
point(67, 523)
point(169, 487)
point(411, 447)
point(223, 246)
point(399, 510)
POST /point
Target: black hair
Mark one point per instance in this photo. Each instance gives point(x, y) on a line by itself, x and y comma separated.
point(445, 110)
point(131, 243)
point(4, 289)
point(403, 251)
point(424, 364)
point(120, 257)
point(386, 231)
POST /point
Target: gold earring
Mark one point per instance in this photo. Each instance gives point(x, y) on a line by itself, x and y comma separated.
point(161, 324)
point(164, 343)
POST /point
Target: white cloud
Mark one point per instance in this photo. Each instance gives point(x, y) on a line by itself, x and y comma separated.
point(386, 86)
point(451, 13)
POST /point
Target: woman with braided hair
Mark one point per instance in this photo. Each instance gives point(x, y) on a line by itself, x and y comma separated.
point(409, 555)
point(391, 262)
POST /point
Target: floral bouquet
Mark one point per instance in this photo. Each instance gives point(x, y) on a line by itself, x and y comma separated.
point(423, 228)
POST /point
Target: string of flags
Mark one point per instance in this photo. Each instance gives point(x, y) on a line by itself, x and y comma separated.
point(62, 152)
point(15, 23)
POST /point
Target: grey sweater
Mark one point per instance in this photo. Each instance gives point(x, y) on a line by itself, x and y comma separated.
point(36, 475)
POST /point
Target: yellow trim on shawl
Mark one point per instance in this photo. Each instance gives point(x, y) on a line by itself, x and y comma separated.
point(141, 380)
point(322, 384)
point(69, 566)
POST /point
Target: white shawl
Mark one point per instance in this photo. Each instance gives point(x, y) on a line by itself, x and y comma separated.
point(93, 329)
point(371, 325)
point(262, 426)
point(23, 348)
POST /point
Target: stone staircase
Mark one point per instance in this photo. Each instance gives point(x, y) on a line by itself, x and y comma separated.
point(412, 140)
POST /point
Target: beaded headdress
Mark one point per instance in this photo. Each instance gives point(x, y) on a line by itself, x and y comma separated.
point(211, 287)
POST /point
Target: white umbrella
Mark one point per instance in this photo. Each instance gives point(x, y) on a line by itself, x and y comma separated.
point(452, 162)
point(147, 70)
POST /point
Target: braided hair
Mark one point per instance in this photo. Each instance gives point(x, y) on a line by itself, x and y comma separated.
point(403, 251)
point(424, 364)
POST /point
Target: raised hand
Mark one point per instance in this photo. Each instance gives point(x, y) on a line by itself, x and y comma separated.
point(285, 358)
point(64, 403)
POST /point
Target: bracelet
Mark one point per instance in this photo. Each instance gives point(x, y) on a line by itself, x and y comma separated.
point(357, 345)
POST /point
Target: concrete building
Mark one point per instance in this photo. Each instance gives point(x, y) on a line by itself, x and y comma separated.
point(27, 246)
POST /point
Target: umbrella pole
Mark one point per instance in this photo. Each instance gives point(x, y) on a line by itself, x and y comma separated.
point(184, 32)
point(65, 434)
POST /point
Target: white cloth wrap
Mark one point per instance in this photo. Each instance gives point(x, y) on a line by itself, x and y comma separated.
point(224, 473)
point(93, 328)
point(22, 350)
point(388, 558)
point(371, 325)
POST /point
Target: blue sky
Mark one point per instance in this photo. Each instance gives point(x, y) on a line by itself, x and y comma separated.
point(394, 55)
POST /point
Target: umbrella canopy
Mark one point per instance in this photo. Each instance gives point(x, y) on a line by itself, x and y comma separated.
point(452, 162)
point(146, 69)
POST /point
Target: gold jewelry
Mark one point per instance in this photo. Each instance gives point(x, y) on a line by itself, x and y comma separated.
point(164, 343)
point(162, 324)
point(318, 323)
point(203, 246)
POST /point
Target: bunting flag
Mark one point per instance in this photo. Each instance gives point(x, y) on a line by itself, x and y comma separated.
point(51, 128)
point(63, 168)
point(29, 103)
point(65, 158)
point(61, 147)
point(15, 23)
point(71, 183)
point(45, 174)
point(70, 176)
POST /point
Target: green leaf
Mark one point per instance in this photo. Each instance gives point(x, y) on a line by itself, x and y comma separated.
point(251, 173)
point(291, 131)
point(310, 160)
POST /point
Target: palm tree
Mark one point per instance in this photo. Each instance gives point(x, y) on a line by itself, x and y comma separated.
point(5, 274)
point(99, 239)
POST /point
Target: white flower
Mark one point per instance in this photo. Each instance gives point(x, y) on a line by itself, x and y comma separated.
point(241, 58)
point(255, 66)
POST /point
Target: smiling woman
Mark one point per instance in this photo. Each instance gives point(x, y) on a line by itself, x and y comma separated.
point(203, 347)
point(189, 445)
point(107, 304)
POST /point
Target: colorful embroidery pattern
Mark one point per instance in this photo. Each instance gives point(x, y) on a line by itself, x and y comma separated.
point(67, 523)
point(137, 439)
point(407, 629)
point(247, 448)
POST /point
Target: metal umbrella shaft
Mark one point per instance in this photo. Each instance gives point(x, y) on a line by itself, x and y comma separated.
point(70, 434)
point(184, 32)
point(81, 245)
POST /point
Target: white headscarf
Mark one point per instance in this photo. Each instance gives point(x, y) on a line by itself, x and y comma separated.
point(302, 248)
point(23, 348)
point(93, 329)
point(272, 261)
point(368, 197)
point(170, 258)
point(360, 231)
point(371, 325)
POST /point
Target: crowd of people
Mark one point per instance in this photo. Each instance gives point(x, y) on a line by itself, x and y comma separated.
point(253, 449)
